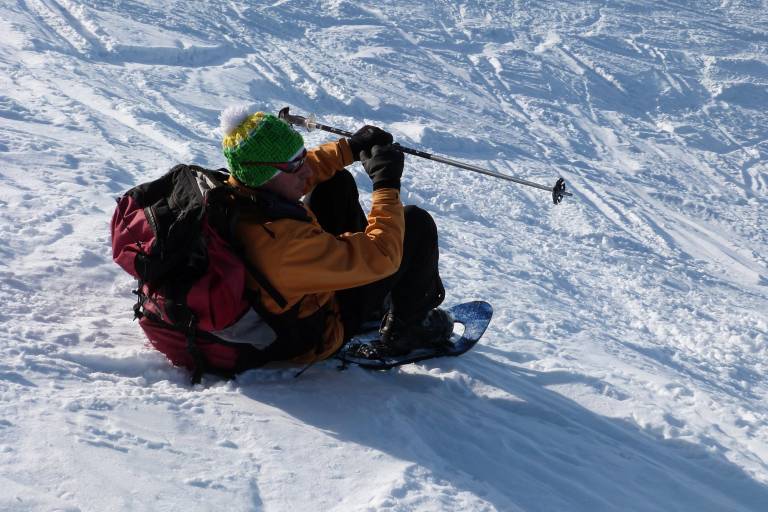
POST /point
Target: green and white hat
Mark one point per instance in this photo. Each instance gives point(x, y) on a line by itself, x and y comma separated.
point(257, 137)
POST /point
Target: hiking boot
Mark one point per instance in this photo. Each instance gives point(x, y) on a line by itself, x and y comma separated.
point(399, 338)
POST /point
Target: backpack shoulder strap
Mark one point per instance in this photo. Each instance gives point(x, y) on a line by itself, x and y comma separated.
point(225, 205)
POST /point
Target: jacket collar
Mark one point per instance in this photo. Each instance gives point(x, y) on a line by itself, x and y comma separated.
point(273, 206)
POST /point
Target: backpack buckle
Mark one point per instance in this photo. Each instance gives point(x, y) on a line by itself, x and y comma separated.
point(138, 314)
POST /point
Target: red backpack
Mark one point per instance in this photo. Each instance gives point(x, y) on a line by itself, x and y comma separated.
point(175, 236)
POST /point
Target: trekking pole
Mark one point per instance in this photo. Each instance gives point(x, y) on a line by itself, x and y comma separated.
point(558, 191)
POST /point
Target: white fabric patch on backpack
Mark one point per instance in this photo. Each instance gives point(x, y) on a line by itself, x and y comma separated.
point(251, 329)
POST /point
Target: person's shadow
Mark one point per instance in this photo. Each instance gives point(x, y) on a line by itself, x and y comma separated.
point(496, 431)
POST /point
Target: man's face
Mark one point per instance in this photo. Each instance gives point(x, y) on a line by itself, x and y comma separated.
point(290, 186)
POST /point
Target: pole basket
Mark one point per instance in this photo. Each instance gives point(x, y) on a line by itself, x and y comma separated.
point(558, 191)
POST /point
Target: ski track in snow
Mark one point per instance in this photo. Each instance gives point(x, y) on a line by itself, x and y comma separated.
point(625, 365)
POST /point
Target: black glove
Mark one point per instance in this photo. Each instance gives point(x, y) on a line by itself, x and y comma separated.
point(367, 137)
point(384, 164)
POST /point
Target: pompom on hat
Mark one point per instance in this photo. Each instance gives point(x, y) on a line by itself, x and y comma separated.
point(257, 137)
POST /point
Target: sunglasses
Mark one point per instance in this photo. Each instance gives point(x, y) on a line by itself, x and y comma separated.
point(287, 167)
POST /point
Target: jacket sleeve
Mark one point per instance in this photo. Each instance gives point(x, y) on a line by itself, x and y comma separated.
point(326, 159)
point(305, 259)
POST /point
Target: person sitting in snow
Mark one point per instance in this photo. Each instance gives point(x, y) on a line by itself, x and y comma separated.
point(336, 267)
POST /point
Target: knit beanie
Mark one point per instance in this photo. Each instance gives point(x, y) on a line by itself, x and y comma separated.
point(257, 137)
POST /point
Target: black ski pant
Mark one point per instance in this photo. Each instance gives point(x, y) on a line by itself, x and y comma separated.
point(410, 292)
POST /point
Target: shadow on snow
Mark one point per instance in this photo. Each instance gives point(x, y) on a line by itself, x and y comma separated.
point(521, 445)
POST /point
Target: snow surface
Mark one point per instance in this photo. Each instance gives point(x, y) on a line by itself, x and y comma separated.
point(625, 368)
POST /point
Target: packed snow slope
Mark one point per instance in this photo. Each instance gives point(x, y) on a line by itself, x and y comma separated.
point(625, 366)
